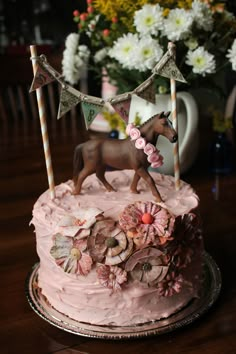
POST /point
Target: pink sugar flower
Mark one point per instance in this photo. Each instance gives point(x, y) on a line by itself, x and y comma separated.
point(149, 149)
point(111, 277)
point(129, 127)
point(78, 221)
point(147, 266)
point(157, 164)
point(140, 143)
point(70, 256)
point(109, 243)
point(171, 285)
point(147, 223)
point(154, 157)
point(134, 133)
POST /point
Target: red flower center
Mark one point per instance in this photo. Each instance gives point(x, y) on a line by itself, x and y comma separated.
point(147, 218)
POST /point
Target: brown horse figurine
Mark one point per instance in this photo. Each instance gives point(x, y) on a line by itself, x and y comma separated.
point(94, 156)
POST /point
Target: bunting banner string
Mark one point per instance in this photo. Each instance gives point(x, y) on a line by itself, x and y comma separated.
point(91, 105)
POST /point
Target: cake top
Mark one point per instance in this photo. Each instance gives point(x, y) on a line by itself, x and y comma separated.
point(112, 203)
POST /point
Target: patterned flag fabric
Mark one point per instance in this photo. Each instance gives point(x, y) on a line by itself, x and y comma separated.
point(167, 68)
point(122, 108)
point(42, 77)
point(67, 101)
point(90, 110)
point(147, 90)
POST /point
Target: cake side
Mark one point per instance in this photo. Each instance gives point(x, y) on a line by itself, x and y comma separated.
point(85, 294)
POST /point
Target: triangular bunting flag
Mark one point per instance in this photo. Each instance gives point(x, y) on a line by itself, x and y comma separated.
point(42, 77)
point(170, 70)
point(121, 104)
point(90, 110)
point(147, 90)
point(67, 101)
point(122, 108)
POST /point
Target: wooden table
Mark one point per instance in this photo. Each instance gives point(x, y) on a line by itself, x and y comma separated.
point(23, 179)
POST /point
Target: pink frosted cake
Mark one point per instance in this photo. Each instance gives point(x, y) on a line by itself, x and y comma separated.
point(117, 258)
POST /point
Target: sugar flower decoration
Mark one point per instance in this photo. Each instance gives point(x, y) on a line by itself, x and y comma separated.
point(147, 266)
point(140, 143)
point(202, 61)
point(231, 55)
point(171, 285)
point(70, 256)
point(134, 133)
point(188, 239)
point(75, 57)
point(109, 242)
point(202, 15)
point(111, 277)
point(72, 224)
point(178, 24)
point(149, 19)
point(147, 223)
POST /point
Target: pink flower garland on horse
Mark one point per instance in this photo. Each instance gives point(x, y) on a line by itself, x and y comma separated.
point(153, 155)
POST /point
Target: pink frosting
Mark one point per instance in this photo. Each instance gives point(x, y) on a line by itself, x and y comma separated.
point(82, 297)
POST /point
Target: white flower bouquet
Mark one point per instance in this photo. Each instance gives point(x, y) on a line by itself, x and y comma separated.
point(128, 38)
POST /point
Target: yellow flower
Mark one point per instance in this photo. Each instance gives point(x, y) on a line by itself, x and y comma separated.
point(166, 12)
point(117, 8)
point(186, 4)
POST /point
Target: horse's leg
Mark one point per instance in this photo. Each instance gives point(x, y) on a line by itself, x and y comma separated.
point(80, 179)
point(134, 183)
point(150, 181)
point(100, 173)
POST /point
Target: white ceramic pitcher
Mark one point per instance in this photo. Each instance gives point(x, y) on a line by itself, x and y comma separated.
point(187, 132)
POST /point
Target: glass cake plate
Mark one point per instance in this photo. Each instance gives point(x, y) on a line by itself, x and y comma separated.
point(195, 309)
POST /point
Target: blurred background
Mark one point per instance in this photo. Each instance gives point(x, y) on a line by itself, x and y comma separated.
point(47, 23)
point(23, 22)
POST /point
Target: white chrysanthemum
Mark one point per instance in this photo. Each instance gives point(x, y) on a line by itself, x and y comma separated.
point(231, 54)
point(75, 57)
point(83, 52)
point(149, 19)
point(191, 43)
point(149, 52)
point(100, 55)
point(124, 50)
point(202, 15)
point(201, 60)
point(72, 42)
point(178, 24)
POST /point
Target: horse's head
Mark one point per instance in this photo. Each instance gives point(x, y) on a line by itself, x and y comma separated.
point(163, 126)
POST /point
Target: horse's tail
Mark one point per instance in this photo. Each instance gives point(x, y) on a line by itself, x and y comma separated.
point(78, 162)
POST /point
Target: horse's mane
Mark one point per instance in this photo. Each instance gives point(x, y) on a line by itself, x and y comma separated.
point(147, 121)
